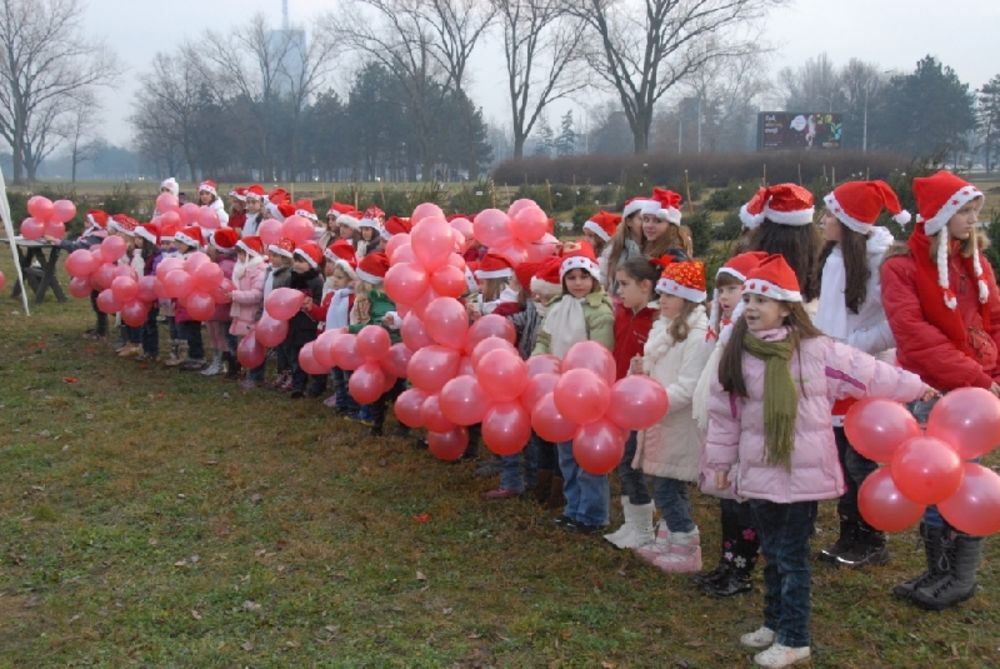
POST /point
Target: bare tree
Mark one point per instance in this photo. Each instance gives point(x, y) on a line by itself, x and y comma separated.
point(646, 48)
point(43, 61)
point(815, 86)
point(457, 26)
point(79, 131)
point(541, 44)
point(729, 91)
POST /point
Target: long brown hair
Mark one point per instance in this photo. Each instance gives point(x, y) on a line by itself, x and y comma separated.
point(618, 243)
point(731, 364)
point(799, 244)
point(854, 248)
point(674, 237)
point(679, 327)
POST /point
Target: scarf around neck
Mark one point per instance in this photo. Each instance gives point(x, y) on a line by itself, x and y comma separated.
point(781, 401)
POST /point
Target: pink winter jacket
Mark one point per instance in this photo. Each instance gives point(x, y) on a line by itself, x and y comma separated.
point(829, 371)
point(222, 311)
point(248, 296)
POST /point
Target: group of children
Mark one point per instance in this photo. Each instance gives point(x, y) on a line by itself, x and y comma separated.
point(803, 320)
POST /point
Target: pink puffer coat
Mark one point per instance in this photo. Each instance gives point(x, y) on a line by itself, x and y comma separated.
point(222, 310)
point(829, 371)
point(248, 296)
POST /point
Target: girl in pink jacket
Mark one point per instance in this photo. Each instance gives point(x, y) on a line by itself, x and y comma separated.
point(248, 292)
point(770, 437)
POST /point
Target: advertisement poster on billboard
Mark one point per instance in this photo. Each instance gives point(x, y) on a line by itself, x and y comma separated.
point(797, 131)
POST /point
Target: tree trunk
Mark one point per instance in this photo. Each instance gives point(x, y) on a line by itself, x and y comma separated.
point(519, 140)
point(640, 131)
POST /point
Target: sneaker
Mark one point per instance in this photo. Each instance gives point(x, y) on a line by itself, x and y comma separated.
point(281, 380)
point(584, 528)
point(419, 444)
point(660, 545)
point(563, 521)
point(716, 574)
point(779, 655)
point(762, 637)
point(129, 350)
point(331, 403)
point(360, 417)
point(684, 556)
point(147, 357)
point(869, 548)
point(501, 493)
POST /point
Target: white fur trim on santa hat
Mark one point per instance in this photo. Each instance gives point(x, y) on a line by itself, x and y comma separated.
point(672, 214)
point(736, 274)
point(278, 251)
point(349, 221)
point(370, 223)
point(181, 237)
point(958, 200)
point(246, 249)
point(368, 278)
point(750, 221)
point(796, 217)
point(579, 262)
point(502, 273)
point(771, 290)
point(345, 267)
point(305, 256)
point(305, 213)
point(633, 207)
point(666, 286)
point(597, 230)
point(206, 187)
point(544, 288)
point(171, 185)
point(146, 234)
point(650, 207)
point(838, 211)
point(272, 209)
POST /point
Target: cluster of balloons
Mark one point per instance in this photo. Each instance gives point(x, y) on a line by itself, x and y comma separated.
point(117, 285)
point(931, 467)
point(47, 218)
point(296, 228)
point(272, 327)
point(169, 212)
point(197, 283)
point(521, 234)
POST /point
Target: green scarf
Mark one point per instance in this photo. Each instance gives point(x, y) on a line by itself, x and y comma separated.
point(781, 401)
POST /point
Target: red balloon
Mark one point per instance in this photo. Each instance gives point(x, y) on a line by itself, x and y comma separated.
point(373, 343)
point(408, 407)
point(55, 229)
point(134, 313)
point(926, 469)
point(448, 446)
point(637, 402)
point(537, 388)
point(269, 232)
point(490, 344)
point(166, 203)
point(367, 383)
point(222, 292)
point(178, 284)
point(106, 302)
point(549, 424)
point(270, 332)
point(396, 360)
point(975, 506)
point(432, 240)
point(147, 289)
point(447, 322)
point(414, 334)
point(103, 276)
point(63, 211)
point(81, 263)
point(492, 228)
point(593, 356)
point(40, 208)
point(308, 362)
point(112, 248)
point(545, 247)
point(503, 375)
point(969, 420)
point(432, 366)
point(432, 418)
point(516, 252)
point(208, 276)
point(883, 506)
point(168, 265)
point(405, 283)
point(463, 401)
point(298, 229)
point(195, 260)
point(490, 325)
point(200, 306)
point(283, 303)
point(598, 447)
point(449, 281)
point(425, 210)
point(208, 218)
point(32, 229)
point(394, 243)
point(249, 353)
point(543, 364)
point(323, 349)
point(345, 352)
point(78, 287)
point(582, 396)
point(125, 289)
point(189, 213)
point(877, 427)
point(506, 428)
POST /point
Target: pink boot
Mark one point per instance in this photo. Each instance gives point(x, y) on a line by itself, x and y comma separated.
point(659, 545)
point(684, 556)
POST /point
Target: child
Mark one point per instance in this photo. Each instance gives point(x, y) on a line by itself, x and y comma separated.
point(222, 250)
point(348, 222)
point(370, 232)
point(334, 313)
point(124, 226)
point(279, 274)
point(940, 296)
point(770, 434)
point(238, 208)
point(168, 250)
point(850, 310)
point(667, 453)
point(582, 313)
point(304, 209)
point(494, 274)
point(598, 230)
point(661, 225)
point(625, 243)
point(307, 265)
point(170, 185)
point(208, 196)
point(147, 243)
point(192, 354)
point(636, 280)
point(95, 230)
point(254, 210)
point(248, 292)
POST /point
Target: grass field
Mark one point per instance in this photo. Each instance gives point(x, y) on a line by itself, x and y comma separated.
point(156, 518)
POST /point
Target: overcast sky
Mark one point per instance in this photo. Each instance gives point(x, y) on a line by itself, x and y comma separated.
point(892, 33)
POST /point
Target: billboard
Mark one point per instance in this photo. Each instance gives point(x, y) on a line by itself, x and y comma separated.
point(799, 130)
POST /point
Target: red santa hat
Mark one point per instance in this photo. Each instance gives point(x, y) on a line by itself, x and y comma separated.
point(208, 186)
point(374, 212)
point(773, 278)
point(224, 239)
point(252, 246)
point(255, 192)
point(547, 280)
point(286, 209)
point(150, 232)
point(603, 224)
point(857, 204)
point(190, 236)
point(633, 205)
point(785, 204)
point(351, 219)
point(396, 225)
point(667, 205)
point(373, 267)
point(239, 193)
point(525, 272)
point(685, 279)
point(284, 248)
point(97, 218)
point(338, 208)
point(279, 195)
point(304, 208)
point(737, 267)
point(311, 253)
point(580, 257)
point(341, 254)
point(168, 231)
point(494, 266)
point(372, 218)
point(124, 224)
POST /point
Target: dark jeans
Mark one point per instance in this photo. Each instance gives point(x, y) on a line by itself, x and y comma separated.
point(633, 483)
point(131, 335)
point(548, 459)
point(379, 406)
point(520, 471)
point(672, 500)
point(150, 333)
point(784, 531)
point(101, 329)
point(296, 340)
point(856, 469)
point(190, 331)
point(740, 545)
point(345, 403)
point(175, 331)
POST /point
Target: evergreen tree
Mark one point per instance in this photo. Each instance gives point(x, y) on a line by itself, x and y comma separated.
point(546, 139)
point(565, 144)
point(988, 112)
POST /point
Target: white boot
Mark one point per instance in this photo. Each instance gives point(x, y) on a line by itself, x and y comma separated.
point(659, 545)
point(684, 556)
point(638, 528)
point(215, 368)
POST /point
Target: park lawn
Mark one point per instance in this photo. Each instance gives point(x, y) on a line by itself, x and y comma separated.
point(156, 518)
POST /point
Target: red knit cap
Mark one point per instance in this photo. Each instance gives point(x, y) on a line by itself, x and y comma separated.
point(683, 279)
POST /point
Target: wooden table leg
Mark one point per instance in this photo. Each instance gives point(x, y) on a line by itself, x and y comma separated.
point(24, 260)
point(49, 267)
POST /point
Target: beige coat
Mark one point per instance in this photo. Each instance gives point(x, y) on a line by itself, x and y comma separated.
point(672, 448)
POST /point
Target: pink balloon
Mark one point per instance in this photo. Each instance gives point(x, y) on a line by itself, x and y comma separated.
point(323, 349)
point(492, 228)
point(200, 306)
point(447, 322)
point(432, 240)
point(516, 252)
point(448, 446)
point(40, 208)
point(367, 383)
point(414, 334)
point(464, 227)
point(55, 229)
point(883, 506)
point(506, 428)
point(168, 265)
point(270, 332)
point(134, 313)
point(63, 211)
point(169, 218)
point(270, 232)
point(490, 325)
point(969, 420)
point(222, 292)
point(538, 387)
point(112, 248)
point(432, 366)
point(549, 424)
point(404, 254)
point(32, 229)
point(405, 283)
point(545, 247)
point(106, 302)
point(408, 407)
point(637, 402)
point(147, 289)
point(298, 229)
point(283, 303)
point(78, 287)
point(975, 506)
point(208, 276)
point(125, 270)
point(519, 204)
point(308, 362)
point(125, 289)
point(195, 260)
point(401, 239)
point(582, 396)
point(465, 366)
point(396, 360)
point(103, 276)
point(503, 375)
point(463, 401)
point(249, 353)
point(425, 210)
point(373, 343)
point(529, 224)
point(543, 364)
point(449, 281)
point(598, 447)
point(189, 213)
point(208, 218)
point(877, 427)
point(345, 352)
point(591, 355)
point(81, 263)
point(487, 345)
point(166, 203)
point(926, 469)
point(432, 418)
point(178, 284)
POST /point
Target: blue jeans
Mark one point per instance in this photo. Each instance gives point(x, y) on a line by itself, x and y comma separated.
point(632, 481)
point(671, 499)
point(345, 403)
point(512, 475)
point(784, 531)
point(586, 494)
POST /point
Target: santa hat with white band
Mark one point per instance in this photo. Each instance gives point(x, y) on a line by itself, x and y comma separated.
point(857, 204)
point(773, 278)
point(580, 257)
point(785, 204)
point(685, 279)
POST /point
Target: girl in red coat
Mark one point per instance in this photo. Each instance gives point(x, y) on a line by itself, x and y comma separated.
point(940, 296)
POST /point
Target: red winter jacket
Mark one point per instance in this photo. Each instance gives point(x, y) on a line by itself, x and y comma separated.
point(923, 348)
point(631, 331)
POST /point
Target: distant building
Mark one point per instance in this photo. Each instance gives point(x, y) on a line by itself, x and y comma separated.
point(287, 51)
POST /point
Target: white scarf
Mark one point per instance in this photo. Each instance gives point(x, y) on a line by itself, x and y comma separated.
point(832, 316)
point(565, 324)
point(508, 294)
point(337, 315)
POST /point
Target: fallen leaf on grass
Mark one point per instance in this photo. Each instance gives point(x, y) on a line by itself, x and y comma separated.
point(422, 517)
point(421, 576)
point(250, 605)
point(247, 646)
point(195, 614)
point(70, 379)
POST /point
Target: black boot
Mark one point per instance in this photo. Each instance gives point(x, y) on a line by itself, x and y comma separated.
point(963, 554)
point(869, 547)
point(931, 537)
point(732, 582)
point(730, 526)
point(845, 541)
point(232, 366)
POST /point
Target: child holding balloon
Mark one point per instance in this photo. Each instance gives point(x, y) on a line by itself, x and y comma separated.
point(335, 312)
point(307, 266)
point(278, 275)
point(94, 232)
point(221, 250)
point(770, 438)
point(187, 242)
point(247, 295)
point(147, 243)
